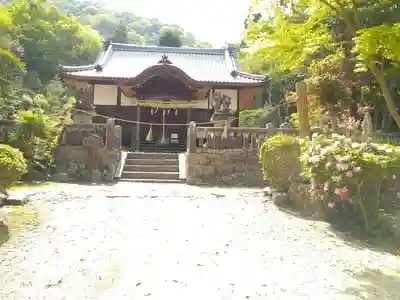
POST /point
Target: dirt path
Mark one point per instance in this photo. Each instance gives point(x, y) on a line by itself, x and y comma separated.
point(157, 241)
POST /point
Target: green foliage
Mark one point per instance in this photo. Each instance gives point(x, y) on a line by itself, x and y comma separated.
point(279, 157)
point(287, 42)
point(349, 178)
point(377, 44)
point(170, 38)
point(12, 167)
point(123, 27)
point(327, 80)
point(36, 137)
point(49, 38)
point(258, 117)
point(314, 115)
point(295, 37)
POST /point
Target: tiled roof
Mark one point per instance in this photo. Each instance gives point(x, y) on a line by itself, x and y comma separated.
point(122, 61)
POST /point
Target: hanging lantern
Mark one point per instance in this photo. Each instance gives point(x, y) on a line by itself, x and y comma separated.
point(151, 112)
point(149, 136)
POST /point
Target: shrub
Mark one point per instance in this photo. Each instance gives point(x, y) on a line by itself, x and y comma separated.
point(279, 157)
point(12, 166)
point(349, 177)
point(258, 117)
point(36, 137)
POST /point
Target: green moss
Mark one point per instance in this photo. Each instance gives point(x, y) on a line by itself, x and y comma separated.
point(29, 186)
point(21, 219)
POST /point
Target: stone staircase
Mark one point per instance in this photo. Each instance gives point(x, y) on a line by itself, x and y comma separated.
point(151, 167)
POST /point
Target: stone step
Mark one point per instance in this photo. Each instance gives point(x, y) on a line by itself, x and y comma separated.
point(151, 161)
point(150, 175)
point(175, 148)
point(152, 168)
point(151, 180)
point(151, 155)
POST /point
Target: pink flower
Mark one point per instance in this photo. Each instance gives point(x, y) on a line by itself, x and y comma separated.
point(341, 192)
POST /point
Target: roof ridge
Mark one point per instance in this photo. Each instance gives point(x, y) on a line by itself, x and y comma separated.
point(225, 56)
point(250, 75)
point(76, 68)
point(122, 47)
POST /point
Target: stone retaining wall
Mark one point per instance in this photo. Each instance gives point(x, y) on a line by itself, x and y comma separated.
point(235, 167)
point(88, 152)
point(75, 163)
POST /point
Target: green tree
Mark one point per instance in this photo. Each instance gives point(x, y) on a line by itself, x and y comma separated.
point(120, 35)
point(50, 38)
point(309, 30)
point(170, 38)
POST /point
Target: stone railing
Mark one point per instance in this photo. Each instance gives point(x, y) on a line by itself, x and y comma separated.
point(88, 152)
point(226, 158)
point(206, 139)
point(75, 134)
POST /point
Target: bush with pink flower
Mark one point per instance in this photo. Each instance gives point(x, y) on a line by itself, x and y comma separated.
point(349, 177)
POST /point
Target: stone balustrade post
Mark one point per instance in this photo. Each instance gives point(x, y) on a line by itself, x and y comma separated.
point(271, 128)
point(118, 135)
point(191, 137)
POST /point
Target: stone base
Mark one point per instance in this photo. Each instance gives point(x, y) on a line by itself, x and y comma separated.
point(237, 168)
point(280, 198)
point(60, 177)
point(72, 164)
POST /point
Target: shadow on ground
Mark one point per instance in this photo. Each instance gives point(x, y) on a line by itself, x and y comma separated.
point(374, 284)
point(83, 183)
point(351, 237)
point(4, 233)
point(361, 241)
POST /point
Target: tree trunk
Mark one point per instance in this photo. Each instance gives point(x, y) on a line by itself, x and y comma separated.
point(380, 78)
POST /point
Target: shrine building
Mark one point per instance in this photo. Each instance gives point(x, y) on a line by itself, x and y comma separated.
point(154, 92)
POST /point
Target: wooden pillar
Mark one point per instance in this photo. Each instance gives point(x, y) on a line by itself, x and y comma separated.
point(137, 128)
point(189, 118)
point(236, 123)
point(302, 109)
point(189, 115)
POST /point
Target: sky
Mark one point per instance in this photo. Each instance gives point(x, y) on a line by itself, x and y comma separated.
point(213, 21)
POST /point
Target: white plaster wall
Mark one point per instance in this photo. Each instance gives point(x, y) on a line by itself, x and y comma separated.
point(128, 101)
point(105, 94)
point(182, 165)
point(230, 93)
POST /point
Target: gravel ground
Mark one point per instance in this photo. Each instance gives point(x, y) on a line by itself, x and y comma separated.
point(167, 241)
